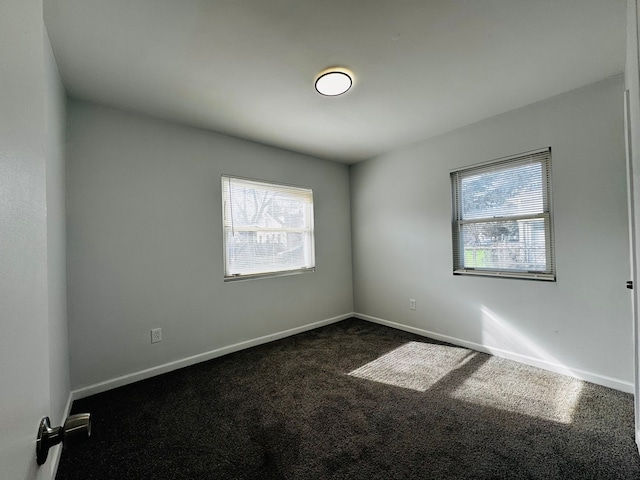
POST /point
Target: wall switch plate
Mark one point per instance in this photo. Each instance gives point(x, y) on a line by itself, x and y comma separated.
point(156, 335)
point(412, 304)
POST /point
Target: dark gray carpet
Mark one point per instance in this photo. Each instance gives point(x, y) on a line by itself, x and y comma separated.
point(356, 400)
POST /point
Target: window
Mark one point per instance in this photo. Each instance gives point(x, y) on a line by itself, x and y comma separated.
point(502, 218)
point(268, 228)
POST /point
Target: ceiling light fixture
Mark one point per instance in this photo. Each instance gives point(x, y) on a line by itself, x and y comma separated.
point(334, 81)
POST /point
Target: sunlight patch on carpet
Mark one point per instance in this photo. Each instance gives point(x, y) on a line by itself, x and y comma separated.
point(528, 390)
point(414, 365)
point(521, 389)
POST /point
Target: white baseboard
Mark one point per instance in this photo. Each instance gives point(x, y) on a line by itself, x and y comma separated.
point(603, 380)
point(201, 357)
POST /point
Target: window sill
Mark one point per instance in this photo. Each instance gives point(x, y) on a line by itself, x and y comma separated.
point(252, 276)
point(546, 277)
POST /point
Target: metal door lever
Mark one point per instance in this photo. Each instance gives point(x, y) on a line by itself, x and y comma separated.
point(76, 428)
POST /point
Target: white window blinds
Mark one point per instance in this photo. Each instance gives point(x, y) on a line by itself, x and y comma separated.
point(502, 217)
point(268, 228)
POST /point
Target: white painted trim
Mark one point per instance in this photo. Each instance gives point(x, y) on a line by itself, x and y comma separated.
point(201, 357)
point(603, 380)
point(56, 452)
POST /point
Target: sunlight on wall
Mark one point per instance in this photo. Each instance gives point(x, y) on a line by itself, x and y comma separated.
point(519, 388)
point(414, 365)
point(499, 335)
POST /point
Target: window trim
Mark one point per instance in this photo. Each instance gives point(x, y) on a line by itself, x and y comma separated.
point(278, 273)
point(540, 155)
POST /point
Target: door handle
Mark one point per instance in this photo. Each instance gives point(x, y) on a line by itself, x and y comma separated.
point(75, 429)
point(630, 285)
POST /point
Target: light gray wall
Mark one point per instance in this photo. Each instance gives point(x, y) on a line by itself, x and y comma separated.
point(401, 211)
point(145, 243)
point(34, 374)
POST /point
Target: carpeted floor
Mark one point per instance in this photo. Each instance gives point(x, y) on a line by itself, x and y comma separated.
point(355, 400)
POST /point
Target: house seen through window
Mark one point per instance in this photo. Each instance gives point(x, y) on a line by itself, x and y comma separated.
point(502, 218)
point(268, 228)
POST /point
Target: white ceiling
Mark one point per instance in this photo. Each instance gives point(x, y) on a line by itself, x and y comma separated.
point(247, 67)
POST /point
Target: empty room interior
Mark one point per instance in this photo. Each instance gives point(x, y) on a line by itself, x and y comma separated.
point(294, 239)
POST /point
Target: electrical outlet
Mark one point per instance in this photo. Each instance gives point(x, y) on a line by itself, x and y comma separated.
point(412, 304)
point(156, 335)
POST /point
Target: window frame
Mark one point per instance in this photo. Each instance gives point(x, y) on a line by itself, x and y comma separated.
point(542, 156)
point(309, 229)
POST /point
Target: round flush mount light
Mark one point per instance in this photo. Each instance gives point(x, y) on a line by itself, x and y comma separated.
point(334, 81)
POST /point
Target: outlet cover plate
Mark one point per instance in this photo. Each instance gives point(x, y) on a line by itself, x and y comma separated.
point(156, 335)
